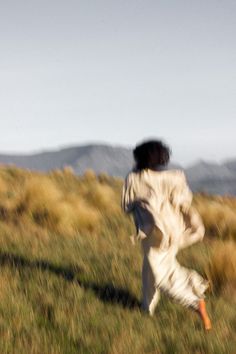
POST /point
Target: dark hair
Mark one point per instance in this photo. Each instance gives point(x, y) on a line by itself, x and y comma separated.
point(142, 153)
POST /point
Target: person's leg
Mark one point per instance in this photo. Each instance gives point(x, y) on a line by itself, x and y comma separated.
point(204, 315)
point(184, 285)
point(150, 292)
point(154, 302)
point(187, 287)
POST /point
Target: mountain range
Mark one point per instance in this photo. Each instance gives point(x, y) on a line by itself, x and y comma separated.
point(202, 176)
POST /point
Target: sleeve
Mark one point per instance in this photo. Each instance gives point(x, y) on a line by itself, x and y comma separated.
point(181, 195)
point(194, 231)
point(128, 195)
point(194, 228)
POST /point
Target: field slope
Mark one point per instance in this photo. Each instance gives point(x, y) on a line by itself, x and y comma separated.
point(70, 278)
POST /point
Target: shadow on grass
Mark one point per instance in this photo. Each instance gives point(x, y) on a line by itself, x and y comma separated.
point(107, 293)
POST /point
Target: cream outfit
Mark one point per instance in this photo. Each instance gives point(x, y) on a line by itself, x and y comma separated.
point(160, 202)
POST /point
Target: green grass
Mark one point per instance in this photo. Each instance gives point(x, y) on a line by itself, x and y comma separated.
point(81, 294)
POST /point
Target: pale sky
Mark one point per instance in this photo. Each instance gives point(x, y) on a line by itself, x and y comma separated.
point(119, 71)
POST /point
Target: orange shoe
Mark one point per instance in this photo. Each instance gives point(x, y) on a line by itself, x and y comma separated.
point(204, 316)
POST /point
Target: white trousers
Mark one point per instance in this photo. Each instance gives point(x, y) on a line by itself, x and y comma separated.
point(162, 273)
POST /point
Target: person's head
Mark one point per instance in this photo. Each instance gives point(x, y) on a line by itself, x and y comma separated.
point(151, 154)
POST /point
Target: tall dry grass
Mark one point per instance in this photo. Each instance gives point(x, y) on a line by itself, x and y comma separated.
point(59, 201)
point(218, 214)
point(67, 204)
point(3, 186)
point(40, 200)
point(222, 267)
point(71, 281)
point(62, 201)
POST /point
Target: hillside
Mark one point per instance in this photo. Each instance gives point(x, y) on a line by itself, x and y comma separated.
point(100, 158)
point(212, 178)
point(231, 165)
point(71, 279)
point(117, 161)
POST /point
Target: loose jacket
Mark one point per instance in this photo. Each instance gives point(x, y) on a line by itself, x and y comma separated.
point(161, 202)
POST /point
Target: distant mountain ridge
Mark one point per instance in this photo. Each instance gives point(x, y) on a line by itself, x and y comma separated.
point(117, 161)
point(213, 178)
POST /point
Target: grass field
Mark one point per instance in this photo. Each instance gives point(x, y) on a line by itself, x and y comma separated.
point(70, 278)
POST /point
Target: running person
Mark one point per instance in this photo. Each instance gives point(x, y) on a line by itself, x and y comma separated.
point(161, 203)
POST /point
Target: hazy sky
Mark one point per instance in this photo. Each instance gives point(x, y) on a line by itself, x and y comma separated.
point(119, 71)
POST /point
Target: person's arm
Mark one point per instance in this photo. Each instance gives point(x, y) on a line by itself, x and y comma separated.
point(128, 196)
point(181, 194)
point(194, 228)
